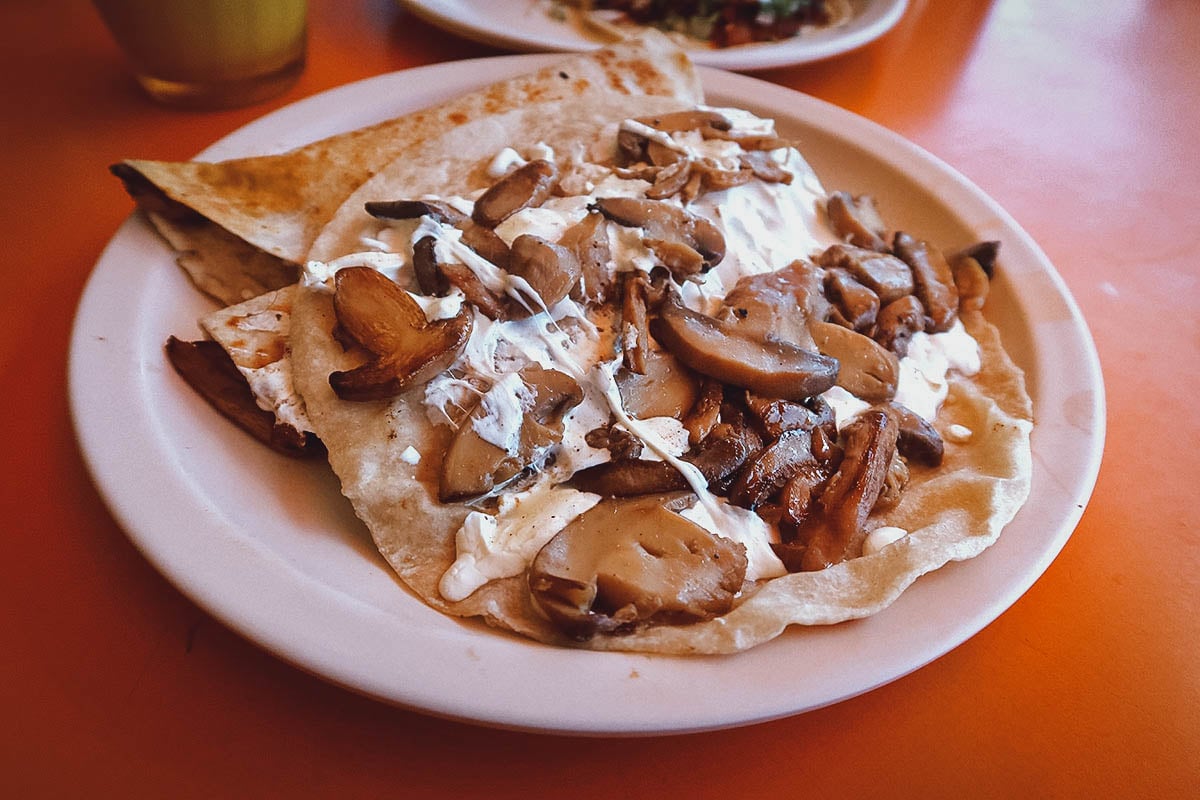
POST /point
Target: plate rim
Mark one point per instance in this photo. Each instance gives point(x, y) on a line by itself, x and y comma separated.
point(881, 17)
point(280, 633)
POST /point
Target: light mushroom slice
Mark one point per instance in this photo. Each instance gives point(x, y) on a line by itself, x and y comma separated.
point(666, 388)
point(414, 209)
point(718, 349)
point(856, 220)
point(665, 222)
point(527, 186)
point(473, 466)
point(629, 563)
point(777, 305)
point(405, 348)
point(588, 240)
point(868, 370)
point(549, 269)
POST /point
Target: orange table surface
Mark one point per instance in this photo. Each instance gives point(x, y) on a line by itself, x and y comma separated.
point(1080, 119)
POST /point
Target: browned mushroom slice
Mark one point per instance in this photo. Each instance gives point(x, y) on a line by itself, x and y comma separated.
point(666, 222)
point(209, 370)
point(486, 242)
point(854, 305)
point(917, 439)
point(697, 119)
point(715, 178)
point(897, 322)
point(893, 484)
point(666, 388)
point(766, 472)
point(406, 349)
point(985, 253)
point(635, 333)
point(778, 416)
point(474, 291)
point(869, 443)
point(798, 497)
point(885, 275)
point(588, 240)
point(868, 370)
point(551, 270)
point(474, 467)
point(718, 458)
point(627, 563)
point(620, 443)
point(857, 221)
point(718, 349)
point(706, 413)
point(777, 305)
point(430, 278)
point(670, 180)
point(412, 209)
point(527, 186)
point(972, 284)
point(933, 282)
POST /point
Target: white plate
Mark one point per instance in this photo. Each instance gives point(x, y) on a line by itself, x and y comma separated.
point(268, 545)
point(526, 25)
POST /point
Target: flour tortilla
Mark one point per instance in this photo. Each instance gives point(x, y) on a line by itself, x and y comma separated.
point(952, 513)
point(253, 220)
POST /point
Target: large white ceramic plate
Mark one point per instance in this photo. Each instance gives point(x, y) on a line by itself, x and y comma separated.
point(526, 25)
point(270, 547)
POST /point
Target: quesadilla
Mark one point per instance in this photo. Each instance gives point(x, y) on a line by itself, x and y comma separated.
point(619, 373)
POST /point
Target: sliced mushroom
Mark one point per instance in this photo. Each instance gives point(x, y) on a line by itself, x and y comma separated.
point(406, 349)
point(933, 281)
point(798, 496)
point(549, 269)
point(430, 278)
point(857, 221)
point(765, 168)
point(868, 370)
point(527, 186)
point(412, 209)
point(854, 305)
point(885, 275)
point(665, 388)
point(917, 439)
point(473, 289)
point(668, 223)
point(972, 284)
point(696, 119)
point(635, 333)
point(620, 443)
point(209, 370)
point(869, 443)
point(473, 467)
point(718, 349)
point(985, 253)
point(718, 458)
point(897, 322)
point(706, 413)
point(893, 484)
point(767, 471)
point(777, 305)
point(486, 242)
point(779, 416)
point(628, 563)
point(588, 240)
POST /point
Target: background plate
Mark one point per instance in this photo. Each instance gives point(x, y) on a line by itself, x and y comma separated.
point(268, 545)
point(525, 25)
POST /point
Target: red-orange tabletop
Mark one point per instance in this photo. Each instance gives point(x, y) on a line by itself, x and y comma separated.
point(1079, 118)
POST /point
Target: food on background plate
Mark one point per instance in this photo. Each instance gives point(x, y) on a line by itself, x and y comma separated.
point(618, 372)
point(716, 23)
